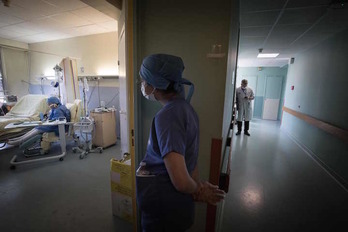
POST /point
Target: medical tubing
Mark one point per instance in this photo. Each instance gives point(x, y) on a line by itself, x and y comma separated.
point(98, 93)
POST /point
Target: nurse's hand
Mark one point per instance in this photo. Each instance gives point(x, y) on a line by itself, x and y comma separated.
point(208, 193)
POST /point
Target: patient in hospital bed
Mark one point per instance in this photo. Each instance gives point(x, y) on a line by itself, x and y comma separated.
point(57, 111)
point(26, 109)
point(4, 109)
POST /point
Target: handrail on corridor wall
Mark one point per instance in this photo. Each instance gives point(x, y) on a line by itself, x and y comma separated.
point(334, 130)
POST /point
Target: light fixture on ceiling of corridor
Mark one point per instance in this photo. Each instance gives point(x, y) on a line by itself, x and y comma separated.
point(267, 55)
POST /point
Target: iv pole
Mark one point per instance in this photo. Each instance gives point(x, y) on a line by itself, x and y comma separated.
point(84, 89)
point(58, 74)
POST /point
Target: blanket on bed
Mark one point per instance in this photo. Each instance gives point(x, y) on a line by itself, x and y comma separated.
point(28, 108)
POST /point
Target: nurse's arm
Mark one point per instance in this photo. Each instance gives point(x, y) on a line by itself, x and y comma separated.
point(195, 174)
point(181, 179)
point(251, 96)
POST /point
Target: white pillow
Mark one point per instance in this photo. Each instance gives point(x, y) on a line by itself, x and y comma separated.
point(73, 110)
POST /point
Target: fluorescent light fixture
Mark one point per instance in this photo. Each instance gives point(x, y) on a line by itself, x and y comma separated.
point(267, 55)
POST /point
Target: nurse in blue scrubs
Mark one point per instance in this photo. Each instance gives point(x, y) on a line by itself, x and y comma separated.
point(58, 110)
point(167, 177)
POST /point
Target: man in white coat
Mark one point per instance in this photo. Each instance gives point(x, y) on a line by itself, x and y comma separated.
point(244, 96)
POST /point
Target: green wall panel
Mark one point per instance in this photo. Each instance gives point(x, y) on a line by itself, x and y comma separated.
point(319, 76)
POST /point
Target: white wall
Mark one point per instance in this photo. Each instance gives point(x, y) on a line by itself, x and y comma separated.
point(319, 77)
point(98, 54)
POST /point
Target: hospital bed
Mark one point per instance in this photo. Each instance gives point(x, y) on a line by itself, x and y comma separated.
point(28, 108)
point(50, 137)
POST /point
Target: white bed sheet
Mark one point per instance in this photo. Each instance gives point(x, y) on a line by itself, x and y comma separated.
point(28, 108)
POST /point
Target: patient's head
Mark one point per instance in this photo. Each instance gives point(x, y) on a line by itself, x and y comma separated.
point(53, 102)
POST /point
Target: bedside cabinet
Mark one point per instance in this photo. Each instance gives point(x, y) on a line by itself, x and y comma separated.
point(104, 134)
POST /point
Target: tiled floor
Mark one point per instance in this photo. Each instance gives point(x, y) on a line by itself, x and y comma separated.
point(276, 186)
point(69, 196)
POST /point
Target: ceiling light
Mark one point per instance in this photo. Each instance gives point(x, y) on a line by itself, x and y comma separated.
point(267, 55)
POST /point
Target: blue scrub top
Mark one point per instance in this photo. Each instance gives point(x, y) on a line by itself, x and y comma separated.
point(175, 128)
point(60, 112)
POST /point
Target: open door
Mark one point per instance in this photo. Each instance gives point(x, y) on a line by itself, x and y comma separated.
point(124, 129)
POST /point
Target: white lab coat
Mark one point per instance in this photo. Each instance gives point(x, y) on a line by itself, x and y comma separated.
point(243, 104)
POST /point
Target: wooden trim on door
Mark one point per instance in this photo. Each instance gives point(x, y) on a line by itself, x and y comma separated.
point(129, 39)
point(331, 129)
point(214, 176)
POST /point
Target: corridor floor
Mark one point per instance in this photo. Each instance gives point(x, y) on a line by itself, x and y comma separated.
point(276, 186)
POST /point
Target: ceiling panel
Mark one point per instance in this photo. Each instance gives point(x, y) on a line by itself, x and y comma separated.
point(9, 34)
point(92, 15)
point(257, 5)
point(53, 36)
point(48, 24)
point(70, 20)
point(31, 26)
point(333, 22)
point(33, 21)
point(21, 28)
point(21, 12)
point(109, 25)
point(72, 31)
point(252, 41)
point(255, 31)
point(45, 7)
point(289, 30)
point(67, 5)
point(3, 24)
point(306, 42)
point(302, 25)
point(302, 15)
point(87, 30)
point(258, 18)
point(281, 41)
point(44, 37)
point(307, 3)
point(8, 19)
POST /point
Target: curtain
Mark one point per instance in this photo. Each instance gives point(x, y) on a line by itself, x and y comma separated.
point(69, 88)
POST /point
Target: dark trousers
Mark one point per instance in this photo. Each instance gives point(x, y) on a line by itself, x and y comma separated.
point(163, 208)
point(246, 125)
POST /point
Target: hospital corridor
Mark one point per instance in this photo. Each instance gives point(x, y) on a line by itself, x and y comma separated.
point(275, 185)
point(175, 116)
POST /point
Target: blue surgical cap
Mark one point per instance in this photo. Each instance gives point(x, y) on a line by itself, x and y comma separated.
point(53, 100)
point(159, 70)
